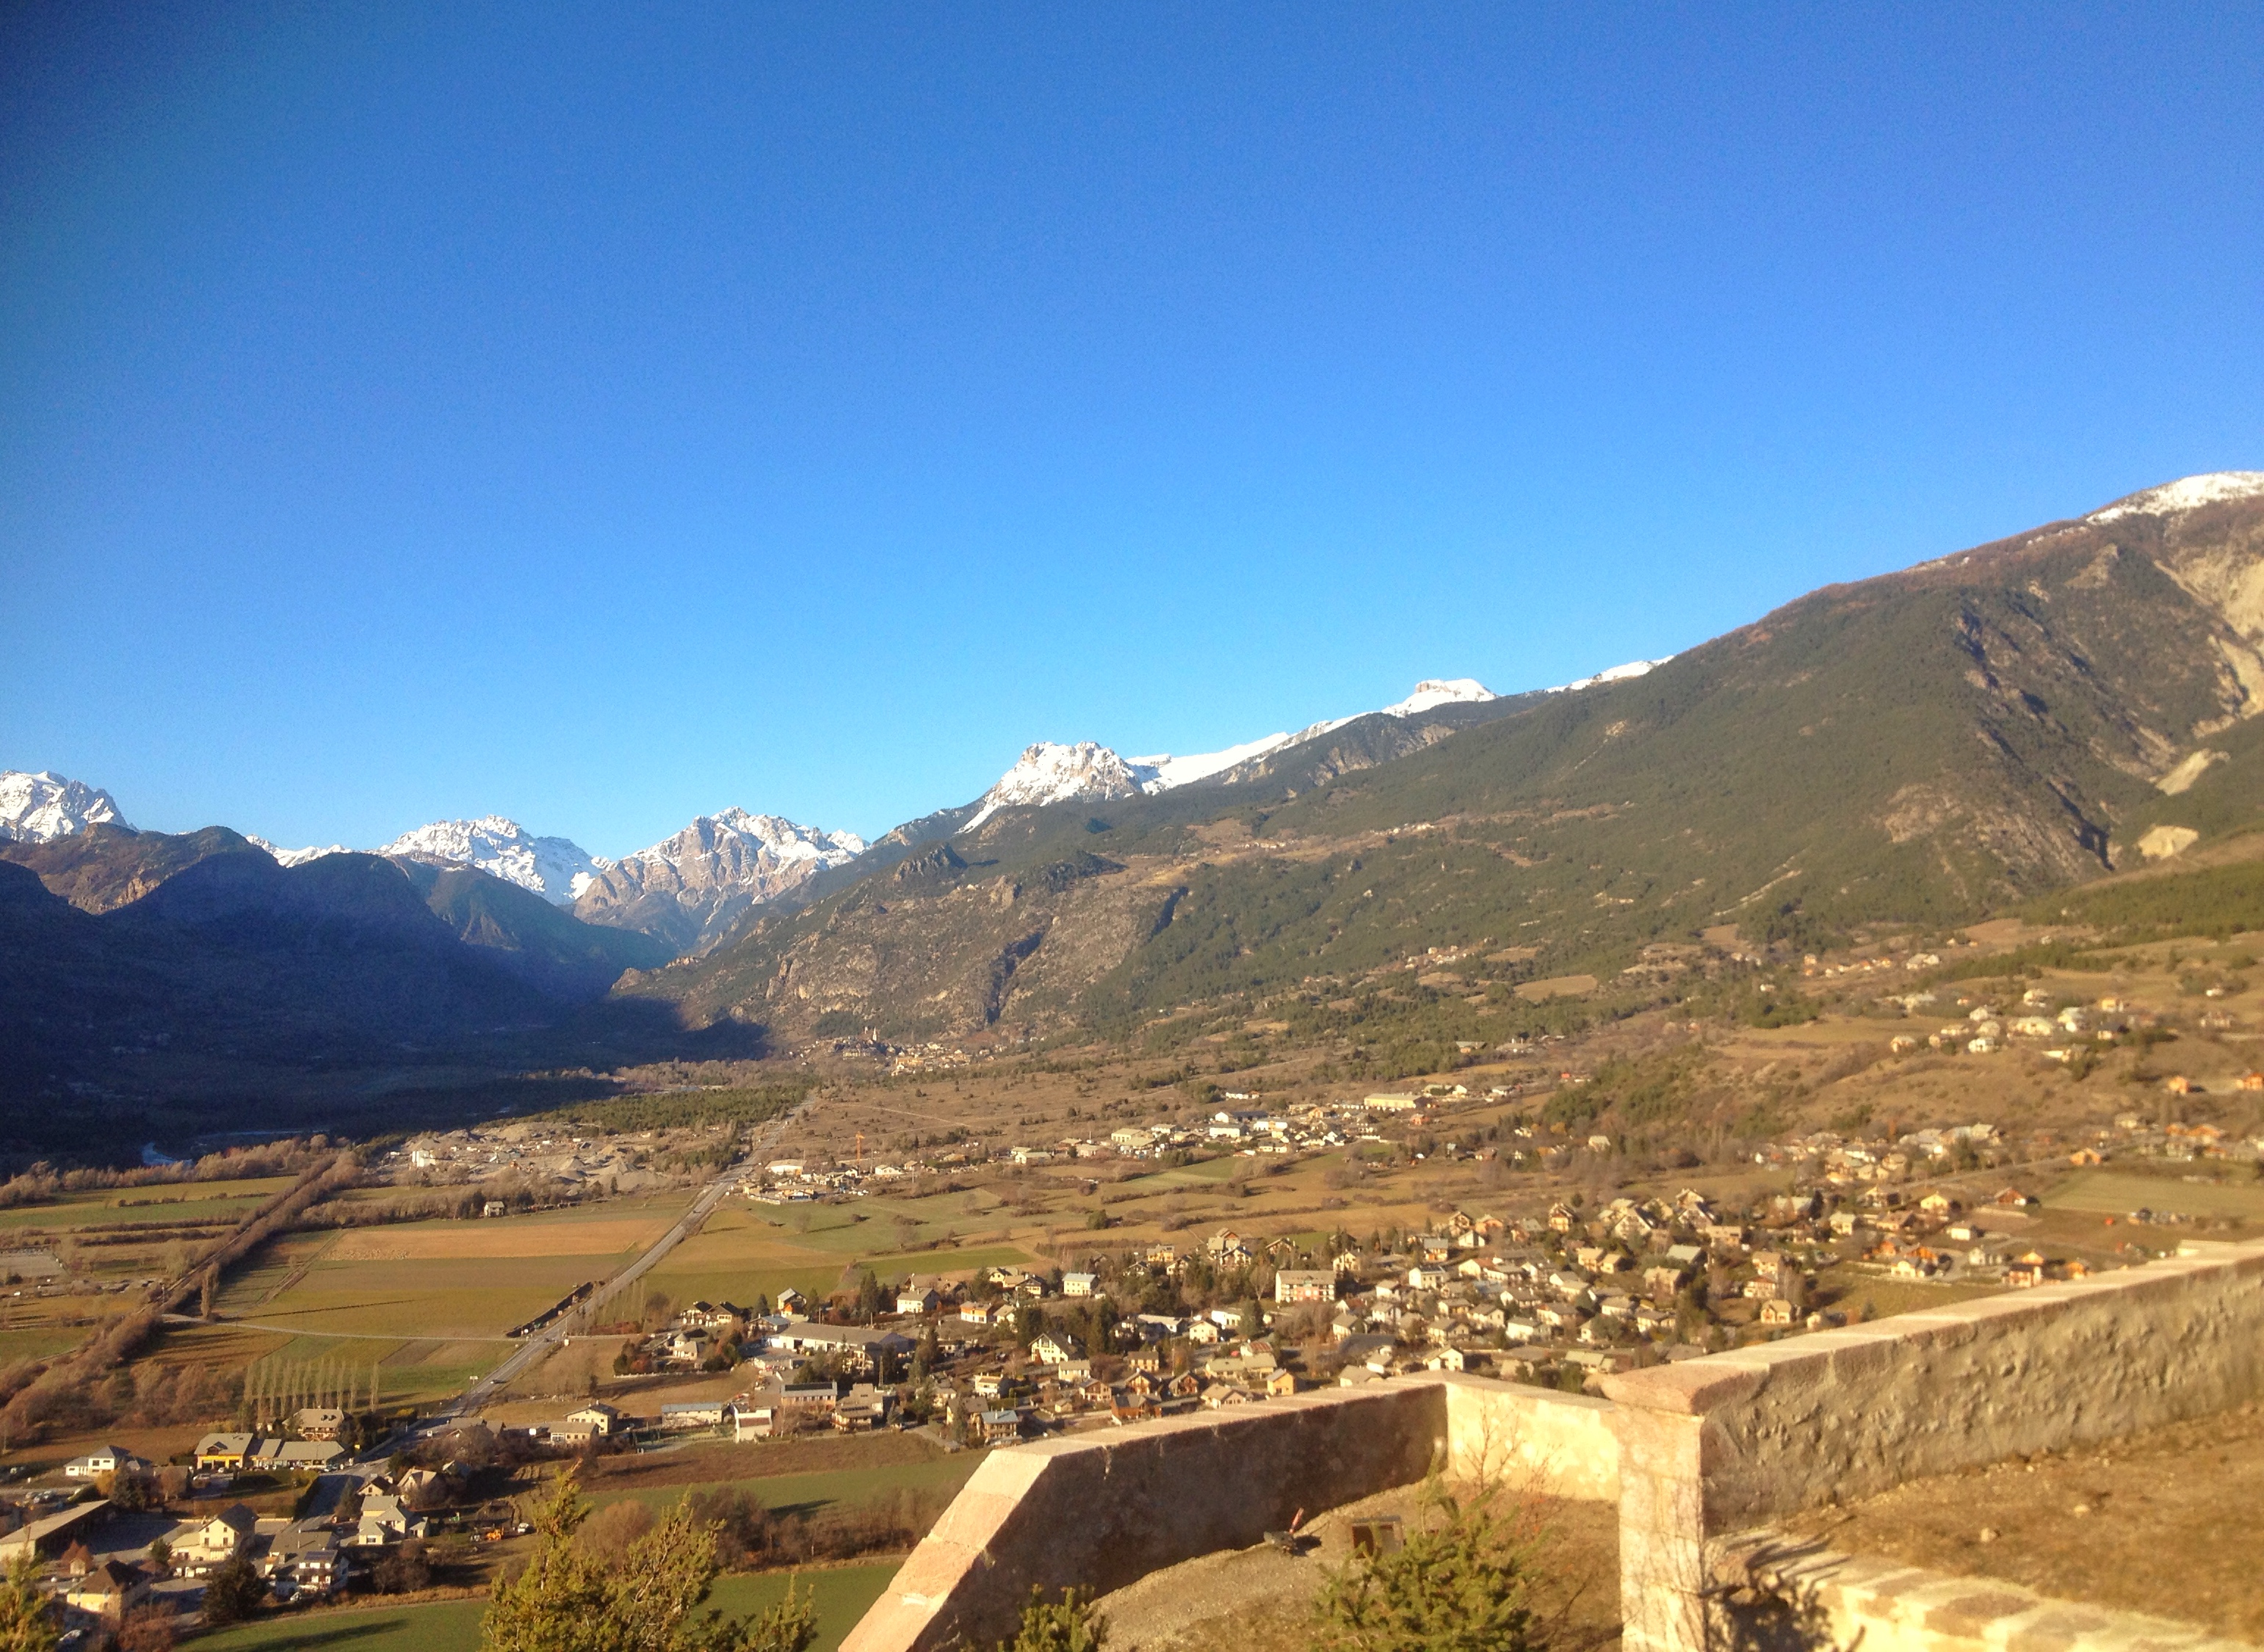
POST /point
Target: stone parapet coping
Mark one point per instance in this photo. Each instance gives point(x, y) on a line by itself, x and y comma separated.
point(1847, 1601)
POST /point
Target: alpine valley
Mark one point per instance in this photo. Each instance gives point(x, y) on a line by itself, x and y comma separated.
point(1970, 736)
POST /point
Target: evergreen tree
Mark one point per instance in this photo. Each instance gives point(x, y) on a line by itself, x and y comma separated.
point(1072, 1626)
point(233, 1591)
point(25, 1622)
point(568, 1600)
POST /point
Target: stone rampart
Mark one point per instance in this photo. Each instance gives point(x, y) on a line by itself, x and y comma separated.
point(1712, 1448)
point(1098, 1511)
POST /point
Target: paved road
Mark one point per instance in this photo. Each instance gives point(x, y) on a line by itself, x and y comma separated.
point(540, 1346)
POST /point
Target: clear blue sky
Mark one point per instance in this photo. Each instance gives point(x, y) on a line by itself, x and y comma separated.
point(603, 415)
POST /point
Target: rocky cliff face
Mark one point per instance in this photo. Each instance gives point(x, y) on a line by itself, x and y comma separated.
point(691, 888)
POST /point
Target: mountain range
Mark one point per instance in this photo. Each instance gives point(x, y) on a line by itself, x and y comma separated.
point(1917, 748)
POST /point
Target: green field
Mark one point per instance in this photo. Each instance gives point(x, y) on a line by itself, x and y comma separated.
point(746, 1249)
point(811, 1492)
point(197, 1202)
point(2117, 1193)
point(39, 1341)
point(426, 1301)
point(843, 1593)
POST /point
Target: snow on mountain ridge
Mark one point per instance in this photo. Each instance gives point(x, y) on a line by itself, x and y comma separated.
point(36, 808)
point(1051, 773)
point(1431, 694)
point(295, 856)
point(556, 868)
point(1617, 674)
point(2187, 493)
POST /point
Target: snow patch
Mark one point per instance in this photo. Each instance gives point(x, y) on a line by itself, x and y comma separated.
point(36, 808)
point(2188, 493)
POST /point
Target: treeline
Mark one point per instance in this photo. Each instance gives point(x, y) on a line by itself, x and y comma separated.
point(681, 1108)
point(516, 1190)
point(277, 1215)
point(77, 1390)
point(42, 1181)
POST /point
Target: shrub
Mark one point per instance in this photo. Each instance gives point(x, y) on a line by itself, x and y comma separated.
point(1071, 1625)
point(1457, 1586)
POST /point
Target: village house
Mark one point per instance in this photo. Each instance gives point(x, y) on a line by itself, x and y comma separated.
point(600, 1418)
point(317, 1421)
point(109, 1591)
point(103, 1459)
point(1049, 1349)
point(214, 1542)
point(307, 1554)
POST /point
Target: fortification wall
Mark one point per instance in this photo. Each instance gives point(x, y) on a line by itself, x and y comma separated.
point(1714, 1446)
point(1562, 1444)
point(1098, 1511)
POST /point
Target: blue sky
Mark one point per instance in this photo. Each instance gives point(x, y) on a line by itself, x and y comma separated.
point(604, 418)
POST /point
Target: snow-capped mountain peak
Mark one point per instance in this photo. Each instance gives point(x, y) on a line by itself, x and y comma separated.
point(295, 856)
point(555, 869)
point(733, 833)
point(2188, 493)
point(1051, 773)
point(1457, 691)
point(693, 887)
point(36, 808)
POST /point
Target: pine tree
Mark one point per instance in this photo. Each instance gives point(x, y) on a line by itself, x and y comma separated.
point(25, 1622)
point(567, 1600)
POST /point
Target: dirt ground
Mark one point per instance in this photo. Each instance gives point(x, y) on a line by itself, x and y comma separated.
point(2170, 1523)
point(1260, 1600)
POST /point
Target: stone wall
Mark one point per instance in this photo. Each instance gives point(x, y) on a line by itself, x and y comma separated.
point(1712, 1448)
point(1560, 1444)
point(1697, 1455)
point(1099, 1511)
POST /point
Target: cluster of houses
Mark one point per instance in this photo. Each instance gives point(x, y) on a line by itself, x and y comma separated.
point(1238, 1127)
point(2040, 1016)
point(597, 1163)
